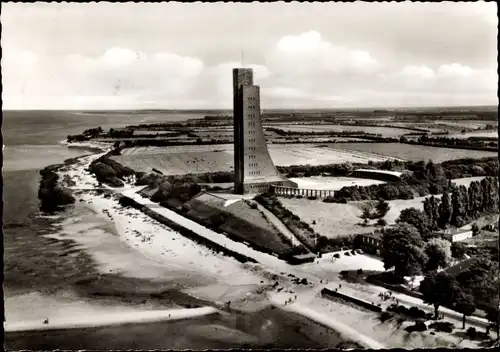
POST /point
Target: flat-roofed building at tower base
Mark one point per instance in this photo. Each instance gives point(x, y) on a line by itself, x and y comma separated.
point(254, 170)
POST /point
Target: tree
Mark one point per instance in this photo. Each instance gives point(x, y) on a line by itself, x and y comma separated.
point(481, 278)
point(431, 210)
point(486, 194)
point(383, 208)
point(493, 316)
point(437, 289)
point(367, 211)
point(495, 193)
point(475, 229)
point(416, 218)
point(474, 199)
point(458, 208)
point(464, 303)
point(458, 250)
point(402, 249)
point(445, 210)
point(438, 252)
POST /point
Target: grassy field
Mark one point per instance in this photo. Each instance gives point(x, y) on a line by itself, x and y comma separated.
point(488, 134)
point(332, 219)
point(209, 158)
point(240, 220)
point(413, 152)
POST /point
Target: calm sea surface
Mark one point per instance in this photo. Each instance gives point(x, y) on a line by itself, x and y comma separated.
point(47, 275)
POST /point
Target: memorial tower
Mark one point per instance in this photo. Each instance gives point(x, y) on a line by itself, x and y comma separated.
point(253, 167)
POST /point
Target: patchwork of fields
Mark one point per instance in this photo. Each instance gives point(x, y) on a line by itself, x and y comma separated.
point(210, 158)
point(384, 131)
point(413, 152)
point(487, 134)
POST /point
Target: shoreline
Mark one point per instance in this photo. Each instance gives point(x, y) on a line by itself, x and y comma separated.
point(111, 319)
point(245, 285)
point(243, 296)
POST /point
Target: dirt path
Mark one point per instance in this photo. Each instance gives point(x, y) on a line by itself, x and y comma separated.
point(279, 225)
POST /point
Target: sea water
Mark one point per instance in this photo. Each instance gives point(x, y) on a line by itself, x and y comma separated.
point(52, 268)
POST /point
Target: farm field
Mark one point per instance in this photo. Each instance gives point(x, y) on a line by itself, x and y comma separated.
point(413, 152)
point(488, 134)
point(431, 127)
point(209, 158)
point(468, 123)
point(332, 183)
point(385, 131)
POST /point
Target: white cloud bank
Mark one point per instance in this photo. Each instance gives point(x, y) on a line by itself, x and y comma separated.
point(302, 70)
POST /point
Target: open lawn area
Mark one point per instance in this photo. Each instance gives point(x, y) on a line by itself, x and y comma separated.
point(332, 219)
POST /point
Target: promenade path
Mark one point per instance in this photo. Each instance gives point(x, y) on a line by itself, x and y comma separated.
point(279, 225)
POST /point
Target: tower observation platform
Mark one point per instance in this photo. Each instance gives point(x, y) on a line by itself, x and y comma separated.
point(253, 166)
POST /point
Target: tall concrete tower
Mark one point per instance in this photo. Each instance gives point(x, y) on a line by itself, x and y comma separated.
point(253, 167)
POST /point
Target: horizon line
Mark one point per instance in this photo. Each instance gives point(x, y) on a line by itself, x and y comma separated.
point(268, 109)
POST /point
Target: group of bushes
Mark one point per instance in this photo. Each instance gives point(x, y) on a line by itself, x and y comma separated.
point(412, 312)
point(86, 135)
point(52, 196)
point(461, 143)
point(110, 172)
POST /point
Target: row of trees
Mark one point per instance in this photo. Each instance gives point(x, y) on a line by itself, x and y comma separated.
point(463, 143)
point(423, 179)
point(464, 205)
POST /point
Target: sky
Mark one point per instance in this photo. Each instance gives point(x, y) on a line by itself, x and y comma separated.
point(304, 55)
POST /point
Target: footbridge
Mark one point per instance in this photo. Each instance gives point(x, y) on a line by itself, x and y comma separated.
point(306, 192)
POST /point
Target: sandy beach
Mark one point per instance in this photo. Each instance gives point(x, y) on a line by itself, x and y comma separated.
point(106, 319)
point(247, 286)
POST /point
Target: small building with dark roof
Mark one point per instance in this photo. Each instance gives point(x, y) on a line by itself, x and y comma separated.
point(370, 242)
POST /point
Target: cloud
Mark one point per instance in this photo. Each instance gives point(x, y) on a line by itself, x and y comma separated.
point(454, 70)
point(421, 71)
point(300, 70)
point(310, 53)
